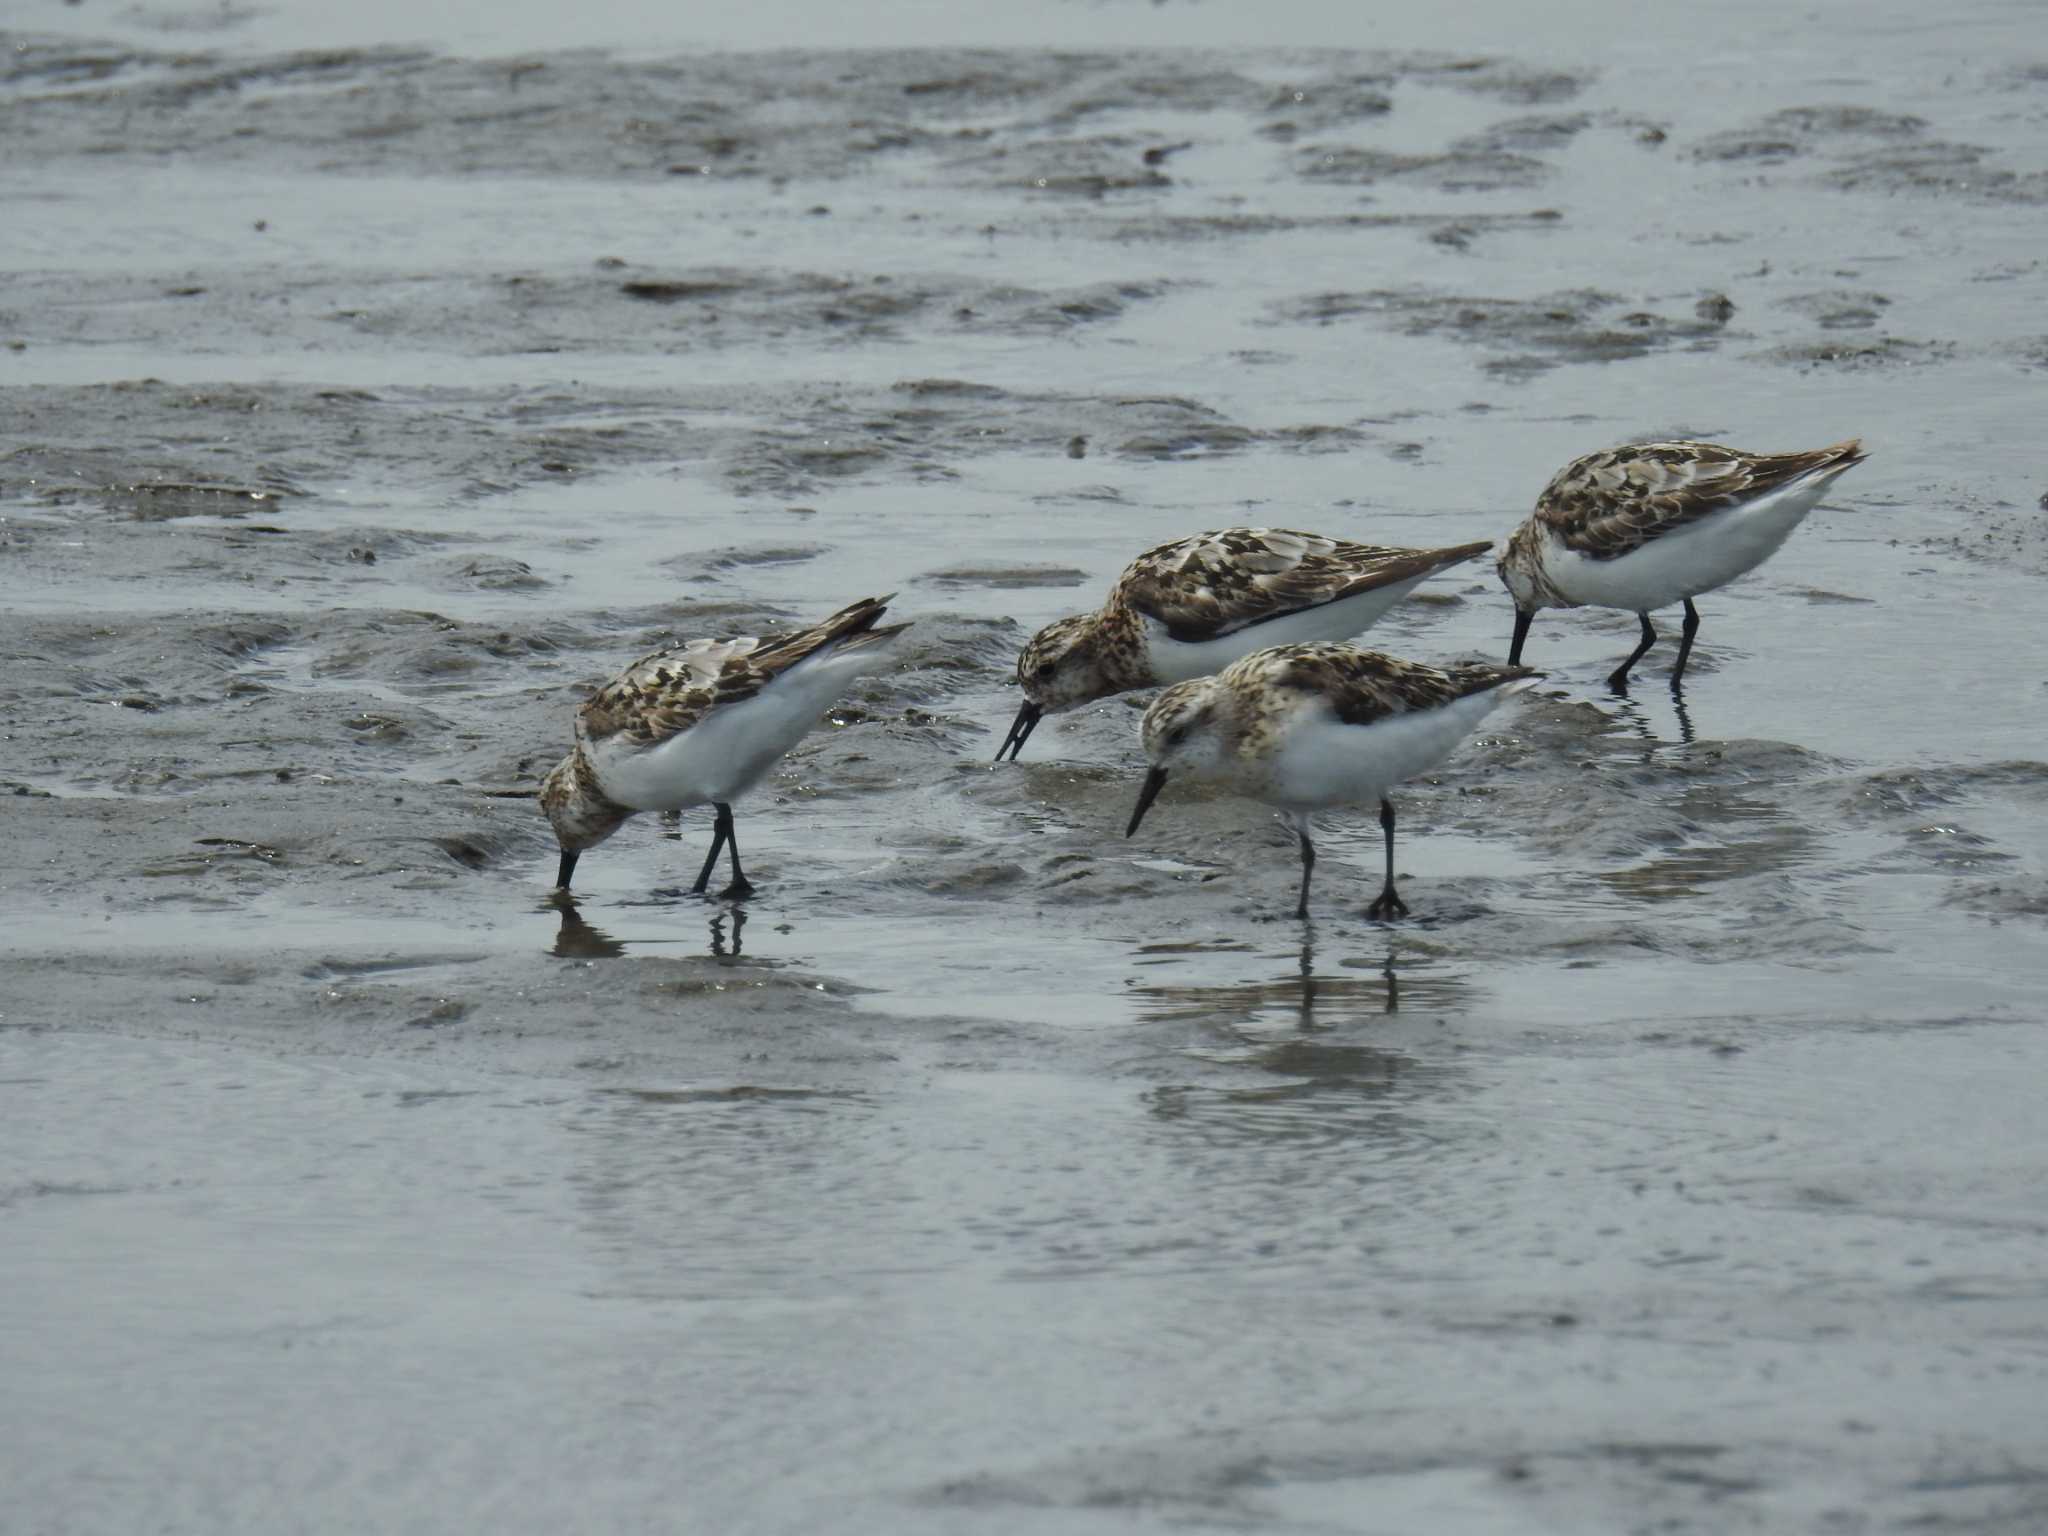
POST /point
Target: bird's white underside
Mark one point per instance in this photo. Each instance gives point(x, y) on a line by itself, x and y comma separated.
point(1699, 557)
point(1177, 661)
point(731, 748)
point(1321, 762)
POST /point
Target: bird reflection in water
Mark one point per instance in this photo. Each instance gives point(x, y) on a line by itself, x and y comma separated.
point(1314, 1000)
point(1323, 1073)
point(1632, 712)
point(718, 942)
point(1355, 990)
point(576, 939)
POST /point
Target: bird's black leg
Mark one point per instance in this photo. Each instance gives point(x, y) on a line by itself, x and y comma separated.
point(1389, 903)
point(1524, 617)
point(741, 885)
point(721, 834)
point(1692, 627)
point(1308, 867)
point(1618, 678)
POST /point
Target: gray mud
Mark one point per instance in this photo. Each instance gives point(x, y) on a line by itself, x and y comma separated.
point(1678, 1166)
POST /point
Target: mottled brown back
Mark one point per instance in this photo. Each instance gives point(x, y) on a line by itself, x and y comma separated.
point(1607, 504)
point(667, 692)
point(1220, 582)
point(1365, 686)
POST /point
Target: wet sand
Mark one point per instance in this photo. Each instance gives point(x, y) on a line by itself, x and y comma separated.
point(364, 398)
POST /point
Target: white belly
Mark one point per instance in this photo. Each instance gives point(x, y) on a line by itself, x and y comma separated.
point(729, 750)
point(1176, 661)
point(1703, 555)
point(1324, 762)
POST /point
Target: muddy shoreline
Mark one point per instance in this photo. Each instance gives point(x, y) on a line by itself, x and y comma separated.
point(361, 405)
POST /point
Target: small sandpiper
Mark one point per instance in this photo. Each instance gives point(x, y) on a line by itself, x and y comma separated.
point(701, 722)
point(1191, 608)
point(1653, 524)
point(1307, 727)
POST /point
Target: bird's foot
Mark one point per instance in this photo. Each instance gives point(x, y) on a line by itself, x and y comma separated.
point(1387, 905)
point(739, 890)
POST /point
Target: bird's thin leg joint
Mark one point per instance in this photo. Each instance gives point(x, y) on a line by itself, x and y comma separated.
point(741, 885)
point(1618, 678)
point(1308, 868)
point(1685, 634)
point(721, 833)
point(1389, 902)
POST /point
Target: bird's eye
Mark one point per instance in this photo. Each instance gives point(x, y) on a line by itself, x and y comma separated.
point(1176, 736)
point(1043, 672)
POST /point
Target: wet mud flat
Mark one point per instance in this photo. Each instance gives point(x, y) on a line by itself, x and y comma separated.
point(1677, 1166)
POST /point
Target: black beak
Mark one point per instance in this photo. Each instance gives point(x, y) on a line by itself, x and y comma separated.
point(1020, 731)
point(1154, 782)
point(568, 868)
point(1523, 618)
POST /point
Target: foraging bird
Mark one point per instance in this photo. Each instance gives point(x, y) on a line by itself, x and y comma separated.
point(1653, 524)
point(1307, 727)
point(1191, 608)
point(700, 722)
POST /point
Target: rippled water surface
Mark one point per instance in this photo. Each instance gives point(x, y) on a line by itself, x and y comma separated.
point(372, 386)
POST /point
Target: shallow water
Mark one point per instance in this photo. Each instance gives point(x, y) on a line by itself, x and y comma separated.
point(1676, 1165)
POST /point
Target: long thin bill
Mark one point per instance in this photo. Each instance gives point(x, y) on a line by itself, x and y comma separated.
point(1154, 782)
point(568, 868)
point(1020, 731)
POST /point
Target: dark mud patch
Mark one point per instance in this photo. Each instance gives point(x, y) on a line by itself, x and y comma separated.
point(1994, 528)
point(694, 121)
point(1459, 233)
point(2015, 898)
point(1838, 309)
point(1940, 169)
point(1867, 149)
point(268, 452)
point(1799, 131)
point(512, 313)
point(488, 573)
point(1319, 105)
point(1881, 352)
point(1578, 326)
point(1468, 169)
point(88, 453)
point(714, 564)
point(1084, 167)
point(1526, 135)
point(1506, 80)
point(1005, 578)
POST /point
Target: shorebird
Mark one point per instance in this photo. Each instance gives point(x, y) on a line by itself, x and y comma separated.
point(1307, 727)
point(1653, 524)
point(698, 724)
point(1191, 608)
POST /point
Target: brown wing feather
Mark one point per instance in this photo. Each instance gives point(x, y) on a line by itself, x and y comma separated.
point(1364, 686)
point(1607, 504)
point(664, 694)
point(1220, 582)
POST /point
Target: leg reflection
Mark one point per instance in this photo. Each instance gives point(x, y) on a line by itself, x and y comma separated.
point(1307, 1016)
point(577, 940)
point(719, 948)
point(1685, 733)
